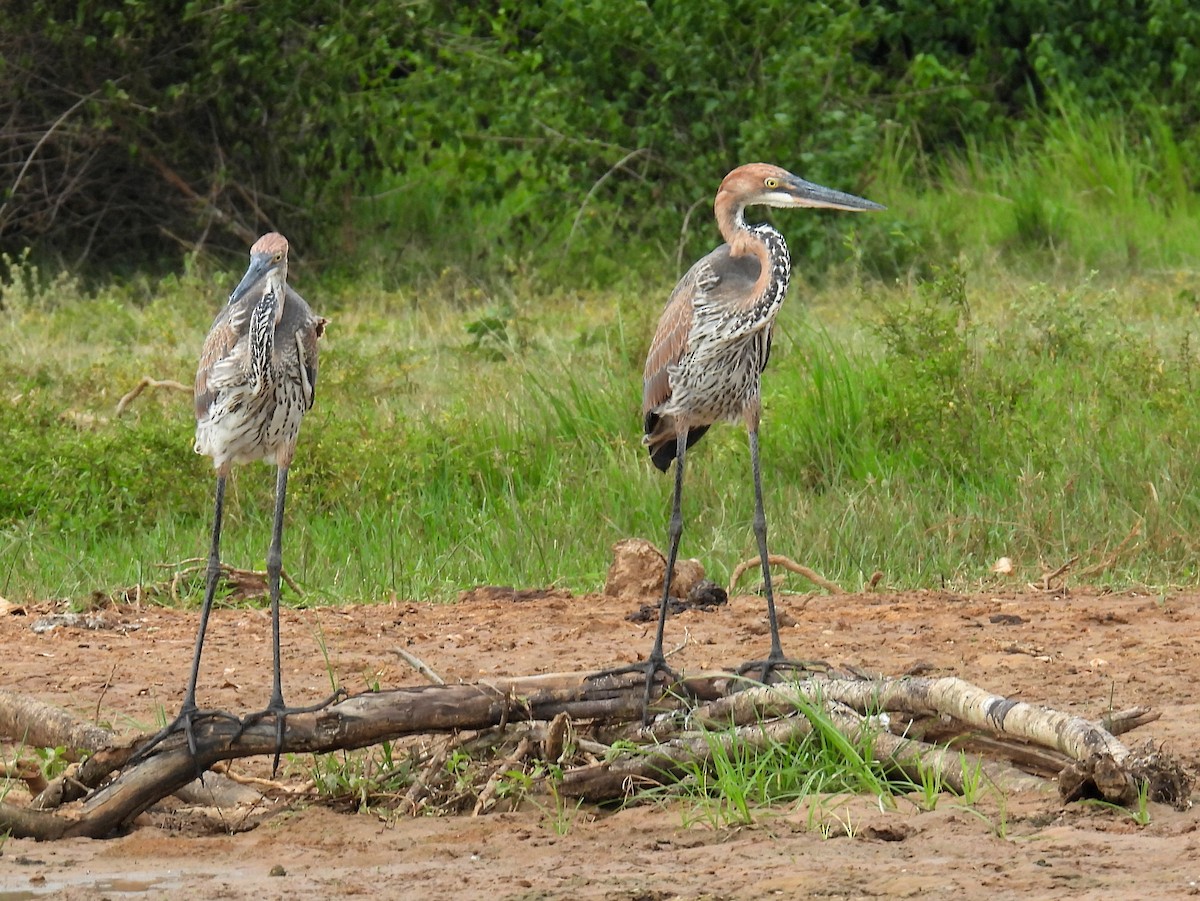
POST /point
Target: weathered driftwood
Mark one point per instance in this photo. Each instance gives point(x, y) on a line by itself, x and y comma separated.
point(761, 714)
point(357, 722)
point(36, 724)
point(40, 725)
point(765, 715)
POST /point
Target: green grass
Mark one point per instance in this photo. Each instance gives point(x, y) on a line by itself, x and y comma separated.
point(1004, 388)
point(740, 780)
point(921, 438)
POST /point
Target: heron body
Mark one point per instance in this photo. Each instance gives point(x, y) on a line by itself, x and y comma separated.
point(257, 372)
point(712, 344)
point(255, 381)
point(705, 362)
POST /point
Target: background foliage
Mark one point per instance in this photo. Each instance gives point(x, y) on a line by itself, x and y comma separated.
point(490, 202)
point(544, 136)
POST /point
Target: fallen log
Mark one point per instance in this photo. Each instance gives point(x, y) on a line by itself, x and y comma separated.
point(36, 724)
point(731, 710)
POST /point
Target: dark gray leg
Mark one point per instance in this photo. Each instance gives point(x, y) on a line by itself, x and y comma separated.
point(775, 659)
point(274, 571)
point(657, 661)
point(189, 712)
point(674, 533)
point(276, 709)
point(760, 535)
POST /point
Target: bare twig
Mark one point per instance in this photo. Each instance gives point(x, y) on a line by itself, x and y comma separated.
point(789, 564)
point(687, 218)
point(1108, 561)
point(103, 692)
point(1048, 577)
point(243, 579)
point(487, 797)
point(419, 665)
point(619, 164)
point(145, 383)
point(433, 773)
point(271, 785)
point(12, 191)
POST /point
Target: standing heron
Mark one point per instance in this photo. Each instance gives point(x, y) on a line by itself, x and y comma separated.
point(712, 344)
point(254, 384)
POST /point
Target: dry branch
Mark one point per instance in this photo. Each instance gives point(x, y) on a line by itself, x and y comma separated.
point(787, 563)
point(35, 724)
point(761, 715)
point(241, 583)
point(1108, 561)
point(40, 725)
point(145, 383)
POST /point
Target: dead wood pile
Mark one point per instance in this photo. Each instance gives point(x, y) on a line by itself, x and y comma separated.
point(589, 730)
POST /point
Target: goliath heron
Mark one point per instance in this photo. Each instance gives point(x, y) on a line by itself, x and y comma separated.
point(712, 343)
point(255, 381)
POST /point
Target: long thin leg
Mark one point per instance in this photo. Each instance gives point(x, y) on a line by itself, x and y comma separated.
point(657, 661)
point(775, 658)
point(276, 707)
point(189, 712)
point(674, 533)
point(760, 534)
point(274, 571)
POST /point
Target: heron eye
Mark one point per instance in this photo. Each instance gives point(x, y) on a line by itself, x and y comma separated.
point(772, 182)
point(278, 256)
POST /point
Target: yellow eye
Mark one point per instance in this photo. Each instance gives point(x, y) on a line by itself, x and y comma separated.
point(772, 182)
point(278, 255)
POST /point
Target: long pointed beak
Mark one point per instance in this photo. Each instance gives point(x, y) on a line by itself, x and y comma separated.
point(257, 269)
point(805, 193)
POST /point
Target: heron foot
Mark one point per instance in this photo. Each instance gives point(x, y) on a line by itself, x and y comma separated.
point(773, 663)
point(279, 712)
point(185, 722)
point(650, 667)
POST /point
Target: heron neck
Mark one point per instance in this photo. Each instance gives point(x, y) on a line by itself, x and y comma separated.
point(763, 242)
point(263, 320)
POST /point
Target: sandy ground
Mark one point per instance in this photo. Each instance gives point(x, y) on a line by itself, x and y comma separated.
point(1078, 651)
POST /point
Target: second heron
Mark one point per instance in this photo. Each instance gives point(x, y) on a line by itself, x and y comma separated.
point(712, 344)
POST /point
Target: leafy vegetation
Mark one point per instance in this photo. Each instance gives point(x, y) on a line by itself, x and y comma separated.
point(567, 140)
point(740, 779)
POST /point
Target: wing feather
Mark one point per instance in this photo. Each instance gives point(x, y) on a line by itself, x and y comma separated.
point(219, 347)
point(717, 284)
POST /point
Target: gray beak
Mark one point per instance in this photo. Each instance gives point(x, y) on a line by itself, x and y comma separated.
point(805, 193)
point(257, 269)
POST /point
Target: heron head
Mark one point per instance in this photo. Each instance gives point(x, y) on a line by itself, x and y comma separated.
point(767, 185)
point(269, 254)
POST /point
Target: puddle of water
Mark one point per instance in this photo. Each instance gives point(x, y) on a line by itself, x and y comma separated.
point(109, 886)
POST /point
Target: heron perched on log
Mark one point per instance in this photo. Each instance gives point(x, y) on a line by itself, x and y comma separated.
point(712, 344)
point(256, 378)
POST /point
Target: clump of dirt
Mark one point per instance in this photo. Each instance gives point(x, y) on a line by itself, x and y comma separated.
point(638, 569)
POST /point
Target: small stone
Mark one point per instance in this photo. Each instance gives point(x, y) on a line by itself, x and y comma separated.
point(277, 870)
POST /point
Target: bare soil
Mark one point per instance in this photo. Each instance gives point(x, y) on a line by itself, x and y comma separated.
point(1080, 651)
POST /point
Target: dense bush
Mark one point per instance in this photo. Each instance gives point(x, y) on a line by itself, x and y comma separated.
point(493, 135)
point(136, 126)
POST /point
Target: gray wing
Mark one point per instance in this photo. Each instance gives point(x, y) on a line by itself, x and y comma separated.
point(220, 359)
point(718, 282)
point(220, 346)
point(299, 324)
